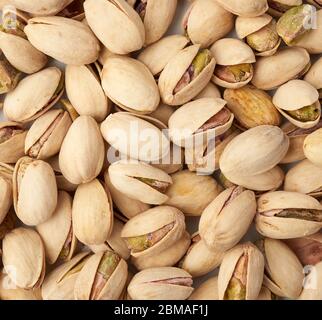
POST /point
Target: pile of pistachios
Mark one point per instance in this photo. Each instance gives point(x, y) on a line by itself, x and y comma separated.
point(140, 164)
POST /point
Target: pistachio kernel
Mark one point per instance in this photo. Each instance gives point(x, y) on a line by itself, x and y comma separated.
point(234, 74)
point(160, 186)
point(303, 214)
point(9, 76)
point(217, 120)
point(305, 114)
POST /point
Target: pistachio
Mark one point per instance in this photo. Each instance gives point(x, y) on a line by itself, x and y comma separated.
point(9, 76)
point(245, 8)
point(8, 224)
point(278, 7)
point(266, 294)
point(312, 147)
point(208, 290)
point(70, 109)
point(5, 196)
point(314, 76)
point(210, 91)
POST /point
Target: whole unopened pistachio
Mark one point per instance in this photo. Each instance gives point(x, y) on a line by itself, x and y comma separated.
point(208, 290)
point(245, 8)
point(9, 76)
point(278, 7)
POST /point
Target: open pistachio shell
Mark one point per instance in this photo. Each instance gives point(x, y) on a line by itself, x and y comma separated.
point(312, 284)
point(23, 258)
point(34, 95)
point(314, 75)
point(165, 283)
point(278, 7)
point(245, 8)
point(57, 232)
point(34, 191)
point(92, 213)
point(208, 290)
point(312, 147)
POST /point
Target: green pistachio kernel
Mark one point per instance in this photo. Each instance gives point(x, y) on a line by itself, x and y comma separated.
point(305, 114)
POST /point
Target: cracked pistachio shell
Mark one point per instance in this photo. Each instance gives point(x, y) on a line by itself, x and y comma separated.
point(117, 130)
point(254, 272)
point(92, 213)
point(287, 64)
point(130, 85)
point(85, 93)
point(232, 52)
point(199, 22)
point(12, 141)
point(191, 193)
point(227, 218)
point(57, 233)
point(312, 147)
point(91, 276)
point(314, 76)
point(66, 40)
point(59, 284)
point(304, 177)
point(142, 286)
point(34, 95)
point(34, 191)
point(312, 289)
point(166, 258)
point(210, 91)
point(254, 152)
point(23, 258)
point(82, 152)
point(278, 7)
point(157, 55)
point(174, 72)
point(295, 95)
point(245, 8)
point(151, 221)
point(283, 271)
point(5, 197)
point(208, 290)
point(47, 133)
point(187, 120)
point(272, 226)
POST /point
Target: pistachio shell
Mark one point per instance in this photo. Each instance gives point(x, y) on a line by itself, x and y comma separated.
point(246, 26)
point(314, 76)
point(210, 91)
point(265, 294)
point(5, 197)
point(312, 147)
point(208, 290)
point(278, 7)
point(245, 8)
point(316, 3)
point(163, 113)
point(82, 152)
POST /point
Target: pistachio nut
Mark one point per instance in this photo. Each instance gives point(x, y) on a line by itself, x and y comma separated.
point(163, 113)
point(199, 259)
point(34, 191)
point(102, 277)
point(199, 22)
point(287, 215)
point(266, 294)
point(5, 194)
point(286, 64)
point(166, 258)
point(208, 290)
point(92, 213)
point(245, 8)
point(157, 55)
point(314, 76)
point(57, 232)
point(234, 60)
point(9, 76)
point(210, 91)
point(12, 141)
point(47, 133)
point(312, 147)
point(59, 284)
point(164, 283)
point(186, 75)
point(133, 89)
point(66, 40)
point(34, 95)
point(69, 108)
point(82, 152)
point(153, 231)
point(252, 107)
point(23, 258)
point(74, 10)
point(227, 218)
point(283, 271)
point(278, 7)
point(6, 171)
point(312, 284)
point(191, 193)
point(241, 273)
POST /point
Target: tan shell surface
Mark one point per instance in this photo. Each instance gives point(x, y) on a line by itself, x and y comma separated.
point(246, 26)
point(314, 76)
point(245, 8)
point(312, 147)
point(208, 290)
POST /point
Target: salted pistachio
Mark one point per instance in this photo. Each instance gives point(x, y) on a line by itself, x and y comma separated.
point(134, 89)
point(241, 273)
point(287, 63)
point(9, 76)
point(278, 7)
point(166, 258)
point(23, 257)
point(208, 290)
point(259, 33)
point(102, 277)
point(210, 91)
point(34, 191)
point(186, 75)
point(12, 140)
point(82, 152)
point(234, 60)
point(153, 231)
point(253, 152)
point(298, 101)
point(199, 26)
point(227, 218)
point(34, 95)
point(59, 284)
point(164, 283)
point(245, 8)
point(66, 40)
point(199, 259)
point(283, 273)
point(287, 215)
point(47, 133)
point(314, 76)
point(252, 107)
point(85, 93)
point(92, 213)
point(6, 196)
point(191, 193)
point(75, 10)
point(312, 284)
point(57, 232)
point(157, 55)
